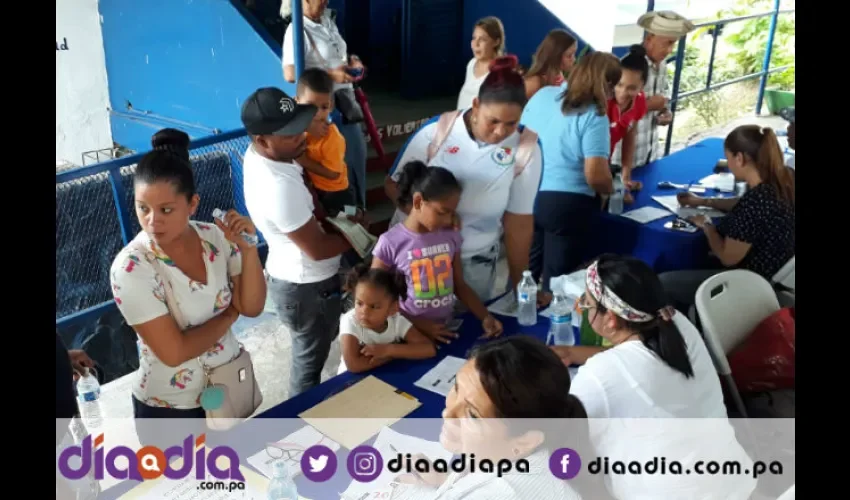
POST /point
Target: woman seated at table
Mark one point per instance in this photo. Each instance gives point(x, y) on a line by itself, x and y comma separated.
point(573, 127)
point(499, 392)
point(374, 332)
point(658, 367)
point(758, 231)
point(626, 109)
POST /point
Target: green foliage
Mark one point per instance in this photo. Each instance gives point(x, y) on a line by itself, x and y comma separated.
point(749, 40)
point(740, 51)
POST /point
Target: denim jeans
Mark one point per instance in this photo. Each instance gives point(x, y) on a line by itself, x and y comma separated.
point(355, 157)
point(311, 313)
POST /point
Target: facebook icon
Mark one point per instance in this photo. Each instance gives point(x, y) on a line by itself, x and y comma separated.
point(564, 463)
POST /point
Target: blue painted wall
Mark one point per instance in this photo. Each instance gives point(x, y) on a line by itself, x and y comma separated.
point(188, 61)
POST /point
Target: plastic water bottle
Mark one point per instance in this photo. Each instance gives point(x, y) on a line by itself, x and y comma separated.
point(281, 487)
point(251, 239)
point(561, 325)
point(615, 202)
point(527, 300)
point(88, 399)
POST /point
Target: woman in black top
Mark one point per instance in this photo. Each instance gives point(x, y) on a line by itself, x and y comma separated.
point(758, 232)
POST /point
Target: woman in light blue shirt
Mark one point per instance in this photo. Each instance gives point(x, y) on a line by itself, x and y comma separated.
point(572, 124)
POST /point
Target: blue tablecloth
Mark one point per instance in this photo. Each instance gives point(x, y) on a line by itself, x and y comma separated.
point(663, 249)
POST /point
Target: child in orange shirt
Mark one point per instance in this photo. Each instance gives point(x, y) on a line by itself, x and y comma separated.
point(324, 159)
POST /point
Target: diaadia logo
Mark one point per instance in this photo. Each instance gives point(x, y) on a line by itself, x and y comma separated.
point(150, 462)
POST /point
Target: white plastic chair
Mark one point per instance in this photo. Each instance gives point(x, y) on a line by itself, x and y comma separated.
point(785, 282)
point(730, 306)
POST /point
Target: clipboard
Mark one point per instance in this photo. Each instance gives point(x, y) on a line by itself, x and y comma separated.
point(354, 415)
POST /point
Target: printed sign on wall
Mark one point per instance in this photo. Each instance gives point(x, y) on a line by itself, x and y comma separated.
point(82, 94)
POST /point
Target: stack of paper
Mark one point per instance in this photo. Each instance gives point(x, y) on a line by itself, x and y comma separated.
point(671, 203)
point(356, 414)
point(441, 378)
point(506, 305)
point(645, 214)
point(390, 443)
point(294, 444)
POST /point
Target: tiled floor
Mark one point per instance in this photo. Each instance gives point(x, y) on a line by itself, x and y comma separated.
point(270, 346)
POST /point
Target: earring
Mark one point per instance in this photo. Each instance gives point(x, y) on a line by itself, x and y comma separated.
point(516, 452)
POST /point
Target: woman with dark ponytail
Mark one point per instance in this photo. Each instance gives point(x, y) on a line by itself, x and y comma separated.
point(758, 231)
point(209, 270)
point(659, 370)
point(499, 164)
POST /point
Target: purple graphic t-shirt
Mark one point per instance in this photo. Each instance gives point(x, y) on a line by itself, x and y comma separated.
point(426, 260)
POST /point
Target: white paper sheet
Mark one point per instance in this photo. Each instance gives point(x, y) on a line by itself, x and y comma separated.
point(296, 442)
point(646, 214)
point(391, 443)
point(441, 378)
point(506, 306)
point(672, 204)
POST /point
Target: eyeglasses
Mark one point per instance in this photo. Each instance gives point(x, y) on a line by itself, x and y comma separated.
point(289, 451)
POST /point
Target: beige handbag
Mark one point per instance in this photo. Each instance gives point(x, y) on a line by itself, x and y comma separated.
point(235, 379)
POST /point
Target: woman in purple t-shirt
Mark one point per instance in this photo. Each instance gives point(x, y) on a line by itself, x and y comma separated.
point(426, 248)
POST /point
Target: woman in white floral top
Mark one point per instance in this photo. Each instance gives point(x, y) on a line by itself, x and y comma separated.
point(215, 276)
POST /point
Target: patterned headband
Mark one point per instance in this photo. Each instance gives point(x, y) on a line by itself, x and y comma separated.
point(615, 304)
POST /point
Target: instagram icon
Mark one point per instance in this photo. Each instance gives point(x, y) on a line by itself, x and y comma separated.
point(365, 464)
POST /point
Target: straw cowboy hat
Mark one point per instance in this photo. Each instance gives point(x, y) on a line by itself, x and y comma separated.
point(665, 23)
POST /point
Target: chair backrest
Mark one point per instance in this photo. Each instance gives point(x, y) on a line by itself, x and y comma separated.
point(787, 274)
point(730, 306)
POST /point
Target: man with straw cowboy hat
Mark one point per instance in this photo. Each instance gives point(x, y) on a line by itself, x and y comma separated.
point(663, 30)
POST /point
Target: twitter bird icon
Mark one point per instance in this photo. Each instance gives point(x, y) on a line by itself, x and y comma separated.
point(318, 463)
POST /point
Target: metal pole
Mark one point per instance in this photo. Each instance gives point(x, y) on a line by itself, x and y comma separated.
point(650, 5)
point(298, 37)
point(677, 77)
point(767, 53)
point(715, 32)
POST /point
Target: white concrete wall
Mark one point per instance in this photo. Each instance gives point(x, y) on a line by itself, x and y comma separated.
point(82, 96)
point(591, 20)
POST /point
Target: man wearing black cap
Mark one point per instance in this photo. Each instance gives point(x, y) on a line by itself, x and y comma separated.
point(303, 261)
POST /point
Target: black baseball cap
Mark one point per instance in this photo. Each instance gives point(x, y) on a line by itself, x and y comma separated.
point(269, 111)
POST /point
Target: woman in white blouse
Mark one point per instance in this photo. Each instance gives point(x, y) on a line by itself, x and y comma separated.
point(508, 403)
point(213, 273)
point(488, 43)
point(657, 370)
point(325, 48)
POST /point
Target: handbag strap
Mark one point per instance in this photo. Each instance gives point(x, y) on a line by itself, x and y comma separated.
point(170, 300)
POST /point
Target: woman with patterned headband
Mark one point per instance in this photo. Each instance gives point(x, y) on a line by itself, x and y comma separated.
point(657, 368)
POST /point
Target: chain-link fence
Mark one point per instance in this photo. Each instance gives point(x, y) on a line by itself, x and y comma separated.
point(95, 214)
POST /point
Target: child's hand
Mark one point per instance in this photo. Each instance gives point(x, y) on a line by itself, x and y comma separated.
point(377, 353)
point(437, 332)
point(492, 327)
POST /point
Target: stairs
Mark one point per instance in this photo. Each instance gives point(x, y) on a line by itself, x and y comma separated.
point(397, 120)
